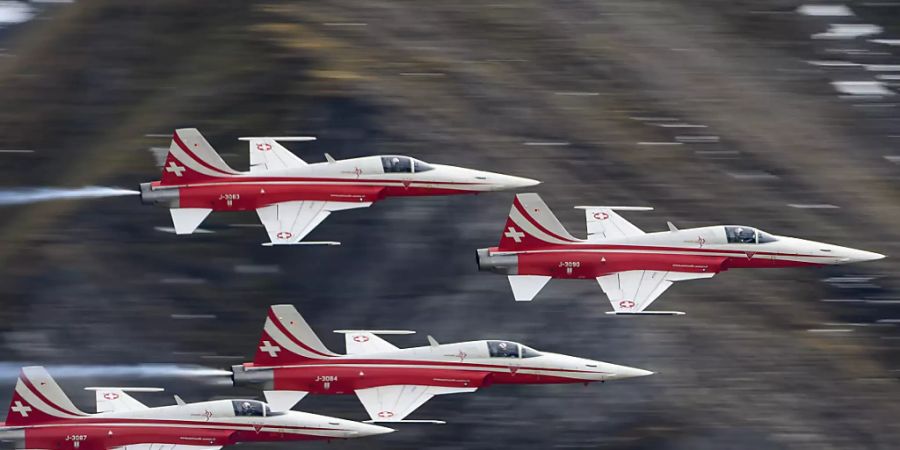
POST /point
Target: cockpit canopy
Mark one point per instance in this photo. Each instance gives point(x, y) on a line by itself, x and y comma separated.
point(506, 349)
point(737, 234)
point(251, 408)
point(403, 164)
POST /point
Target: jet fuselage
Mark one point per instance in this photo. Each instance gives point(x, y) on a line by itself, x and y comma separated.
point(694, 250)
point(464, 365)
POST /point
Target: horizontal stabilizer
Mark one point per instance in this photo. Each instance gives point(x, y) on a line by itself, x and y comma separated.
point(186, 220)
point(276, 244)
point(280, 138)
point(618, 208)
point(283, 400)
point(526, 287)
point(435, 422)
point(647, 313)
point(376, 331)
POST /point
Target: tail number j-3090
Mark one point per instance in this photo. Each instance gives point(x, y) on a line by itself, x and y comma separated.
point(569, 266)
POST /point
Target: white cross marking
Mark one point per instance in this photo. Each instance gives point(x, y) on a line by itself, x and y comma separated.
point(175, 168)
point(514, 235)
point(21, 409)
point(272, 350)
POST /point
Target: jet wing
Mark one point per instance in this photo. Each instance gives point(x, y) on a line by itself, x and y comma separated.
point(394, 403)
point(631, 292)
point(604, 223)
point(166, 447)
point(289, 222)
point(266, 154)
point(114, 399)
point(368, 341)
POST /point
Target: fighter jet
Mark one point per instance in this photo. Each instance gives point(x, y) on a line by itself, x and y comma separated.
point(633, 267)
point(392, 382)
point(42, 417)
point(291, 196)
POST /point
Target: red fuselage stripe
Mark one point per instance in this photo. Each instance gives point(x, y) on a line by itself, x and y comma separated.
point(337, 362)
point(197, 424)
point(614, 247)
point(304, 179)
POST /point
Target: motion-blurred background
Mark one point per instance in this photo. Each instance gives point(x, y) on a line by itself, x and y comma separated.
point(768, 113)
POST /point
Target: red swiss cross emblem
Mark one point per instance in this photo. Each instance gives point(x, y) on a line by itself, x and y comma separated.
point(284, 235)
point(361, 338)
point(600, 215)
point(264, 147)
point(110, 396)
point(385, 414)
point(626, 304)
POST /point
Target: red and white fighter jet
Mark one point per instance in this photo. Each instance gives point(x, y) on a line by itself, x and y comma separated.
point(291, 196)
point(633, 267)
point(392, 382)
point(41, 416)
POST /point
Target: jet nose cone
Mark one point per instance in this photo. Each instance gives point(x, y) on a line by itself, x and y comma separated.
point(852, 255)
point(871, 256)
point(622, 372)
point(521, 182)
point(365, 429)
point(503, 182)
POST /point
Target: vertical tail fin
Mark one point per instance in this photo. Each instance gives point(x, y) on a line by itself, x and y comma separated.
point(531, 225)
point(288, 339)
point(191, 159)
point(38, 399)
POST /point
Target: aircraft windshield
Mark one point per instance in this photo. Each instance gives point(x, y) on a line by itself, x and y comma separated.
point(396, 164)
point(250, 408)
point(503, 349)
point(421, 166)
point(763, 237)
point(529, 352)
point(747, 235)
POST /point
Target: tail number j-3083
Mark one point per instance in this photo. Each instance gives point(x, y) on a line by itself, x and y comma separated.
point(229, 198)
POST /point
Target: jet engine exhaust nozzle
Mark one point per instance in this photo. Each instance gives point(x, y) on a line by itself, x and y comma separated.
point(165, 197)
point(240, 376)
point(504, 264)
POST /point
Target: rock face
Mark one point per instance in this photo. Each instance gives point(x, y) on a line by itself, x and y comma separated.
point(712, 112)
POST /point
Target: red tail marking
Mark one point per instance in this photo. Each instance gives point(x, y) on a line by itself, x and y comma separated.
point(293, 338)
point(191, 154)
point(534, 222)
